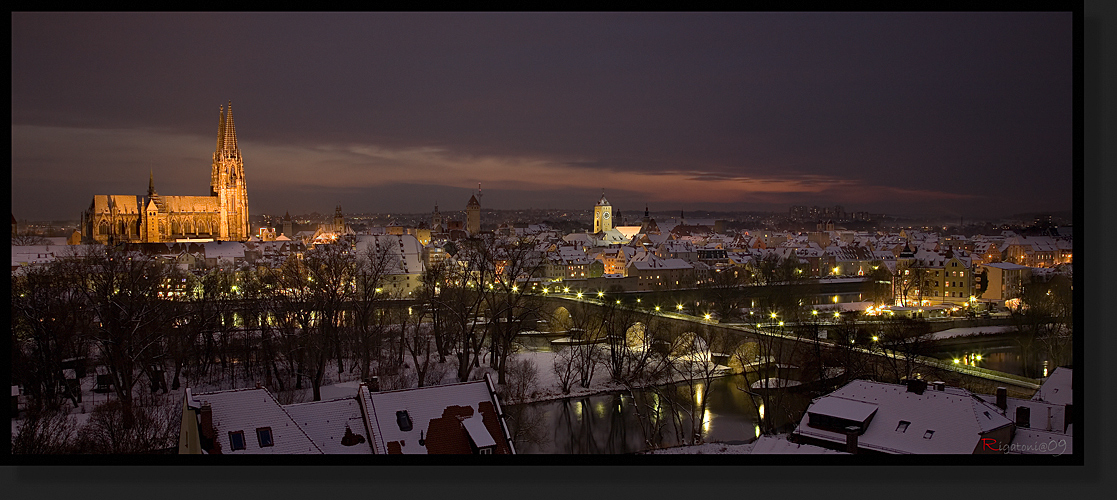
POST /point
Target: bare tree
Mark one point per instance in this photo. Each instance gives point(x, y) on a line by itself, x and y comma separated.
point(126, 292)
point(49, 320)
point(1044, 323)
point(903, 341)
point(373, 265)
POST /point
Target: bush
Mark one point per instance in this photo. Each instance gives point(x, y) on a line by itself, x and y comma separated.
point(523, 379)
point(44, 433)
point(156, 426)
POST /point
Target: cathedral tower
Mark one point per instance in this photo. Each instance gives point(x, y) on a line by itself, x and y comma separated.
point(602, 215)
point(227, 181)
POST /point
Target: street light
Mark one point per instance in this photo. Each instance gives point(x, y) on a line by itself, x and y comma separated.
point(579, 295)
point(600, 294)
point(679, 307)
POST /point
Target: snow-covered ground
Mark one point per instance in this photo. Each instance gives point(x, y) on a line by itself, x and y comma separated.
point(764, 445)
point(971, 331)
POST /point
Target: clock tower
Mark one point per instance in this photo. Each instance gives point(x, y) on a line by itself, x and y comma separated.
point(602, 215)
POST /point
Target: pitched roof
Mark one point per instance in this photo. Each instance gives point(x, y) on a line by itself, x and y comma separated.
point(1057, 388)
point(327, 423)
point(249, 409)
point(950, 421)
point(436, 415)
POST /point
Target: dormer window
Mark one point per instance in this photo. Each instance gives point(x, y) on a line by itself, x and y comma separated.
point(236, 441)
point(403, 419)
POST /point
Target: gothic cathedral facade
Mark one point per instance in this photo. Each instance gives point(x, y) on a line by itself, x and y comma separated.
point(222, 216)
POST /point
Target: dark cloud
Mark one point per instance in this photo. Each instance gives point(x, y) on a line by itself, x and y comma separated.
point(974, 104)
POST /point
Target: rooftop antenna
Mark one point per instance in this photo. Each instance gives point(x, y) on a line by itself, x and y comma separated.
point(479, 195)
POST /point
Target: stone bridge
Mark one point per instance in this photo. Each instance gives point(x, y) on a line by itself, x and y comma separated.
point(557, 309)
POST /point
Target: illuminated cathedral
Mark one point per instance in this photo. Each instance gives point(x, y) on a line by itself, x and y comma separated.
point(222, 216)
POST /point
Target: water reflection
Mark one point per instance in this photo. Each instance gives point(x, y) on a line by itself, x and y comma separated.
point(660, 417)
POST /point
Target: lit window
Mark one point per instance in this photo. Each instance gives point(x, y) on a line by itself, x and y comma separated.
point(263, 434)
point(236, 440)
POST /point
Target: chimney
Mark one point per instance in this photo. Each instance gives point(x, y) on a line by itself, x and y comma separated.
point(851, 438)
point(206, 414)
point(916, 385)
point(1002, 398)
point(258, 386)
point(940, 386)
point(374, 384)
point(1023, 416)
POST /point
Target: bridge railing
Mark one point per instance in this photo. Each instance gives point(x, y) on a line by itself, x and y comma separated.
point(974, 371)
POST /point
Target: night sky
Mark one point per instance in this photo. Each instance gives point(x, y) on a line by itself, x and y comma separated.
point(959, 115)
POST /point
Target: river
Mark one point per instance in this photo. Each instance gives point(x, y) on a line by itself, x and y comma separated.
point(612, 424)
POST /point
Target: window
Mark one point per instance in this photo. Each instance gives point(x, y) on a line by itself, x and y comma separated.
point(263, 434)
point(484, 451)
point(403, 420)
point(903, 427)
point(236, 441)
point(928, 434)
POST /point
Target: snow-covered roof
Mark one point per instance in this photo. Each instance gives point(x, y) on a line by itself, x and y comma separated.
point(655, 263)
point(1041, 415)
point(436, 414)
point(480, 435)
point(1006, 266)
point(1057, 388)
point(325, 422)
point(839, 407)
point(950, 421)
point(224, 249)
point(1040, 442)
point(404, 249)
point(249, 409)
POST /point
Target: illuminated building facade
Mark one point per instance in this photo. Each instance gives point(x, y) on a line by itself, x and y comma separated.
point(602, 215)
point(154, 218)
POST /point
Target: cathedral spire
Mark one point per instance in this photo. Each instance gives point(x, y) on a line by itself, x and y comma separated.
point(151, 183)
point(220, 128)
point(229, 133)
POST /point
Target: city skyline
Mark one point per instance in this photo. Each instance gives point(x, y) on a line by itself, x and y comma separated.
point(954, 115)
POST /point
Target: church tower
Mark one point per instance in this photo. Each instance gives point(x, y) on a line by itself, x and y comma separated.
point(602, 215)
point(227, 181)
point(436, 220)
point(473, 216)
point(339, 220)
point(288, 227)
